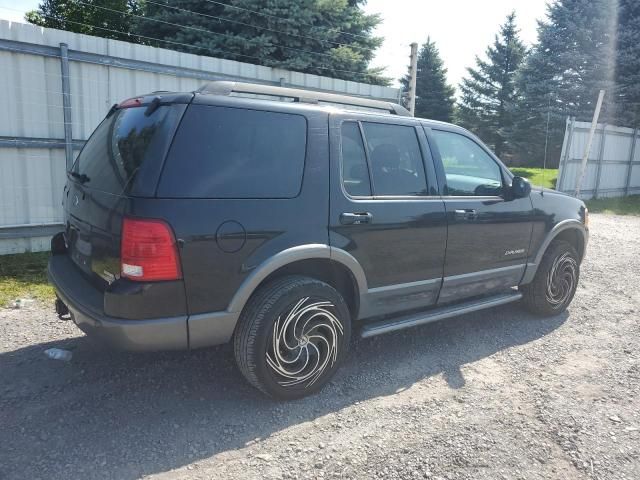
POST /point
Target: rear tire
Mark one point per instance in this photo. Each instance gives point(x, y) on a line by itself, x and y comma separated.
point(555, 282)
point(292, 335)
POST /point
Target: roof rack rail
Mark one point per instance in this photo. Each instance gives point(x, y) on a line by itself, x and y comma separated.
point(302, 96)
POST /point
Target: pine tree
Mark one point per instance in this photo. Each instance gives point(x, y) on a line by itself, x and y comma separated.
point(573, 59)
point(626, 96)
point(434, 96)
point(330, 38)
point(489, 93)
point(102, 18)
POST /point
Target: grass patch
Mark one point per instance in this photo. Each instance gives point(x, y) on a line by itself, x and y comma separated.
point(619, 206)
point(24, 276)
point(538, 176)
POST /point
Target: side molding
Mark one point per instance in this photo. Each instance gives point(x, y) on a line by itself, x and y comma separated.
point(532, 268)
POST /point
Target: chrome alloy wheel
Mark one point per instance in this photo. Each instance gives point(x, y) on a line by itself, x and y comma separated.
point(304, 343)
point(561, 280)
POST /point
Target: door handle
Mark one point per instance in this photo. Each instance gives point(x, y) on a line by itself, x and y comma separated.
point(468, 214)
point(355, 218)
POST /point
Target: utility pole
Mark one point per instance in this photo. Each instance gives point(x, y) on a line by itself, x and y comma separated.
point(413, 72)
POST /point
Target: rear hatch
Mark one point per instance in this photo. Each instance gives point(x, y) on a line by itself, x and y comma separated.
point(120, 163)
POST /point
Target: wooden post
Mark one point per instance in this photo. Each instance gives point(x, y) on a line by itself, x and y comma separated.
point(587, 148)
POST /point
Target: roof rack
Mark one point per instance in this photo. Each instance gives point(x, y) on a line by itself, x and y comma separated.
point(302, 96)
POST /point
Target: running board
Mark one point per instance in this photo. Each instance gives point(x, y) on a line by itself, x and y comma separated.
point(421, 318)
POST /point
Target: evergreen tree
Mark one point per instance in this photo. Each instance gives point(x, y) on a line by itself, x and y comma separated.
point(434, 96)
point(332, 38)
point(325, 37)
point(626, 96)
point(102, 18)
point(489, 93)
point(573, 59)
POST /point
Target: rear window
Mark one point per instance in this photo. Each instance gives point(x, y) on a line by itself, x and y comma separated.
point(125, 152)
point(221, 152)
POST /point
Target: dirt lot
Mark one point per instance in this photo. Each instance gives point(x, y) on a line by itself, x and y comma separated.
point(497, 394)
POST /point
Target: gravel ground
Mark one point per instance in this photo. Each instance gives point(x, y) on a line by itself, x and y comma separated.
point(496, 394)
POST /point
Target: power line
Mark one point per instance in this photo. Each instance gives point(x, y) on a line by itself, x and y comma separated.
point(255, 12)
point(125, 34)
point(238, 22)
point(204, 30)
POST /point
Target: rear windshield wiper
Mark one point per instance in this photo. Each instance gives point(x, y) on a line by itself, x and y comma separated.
point(81, 177)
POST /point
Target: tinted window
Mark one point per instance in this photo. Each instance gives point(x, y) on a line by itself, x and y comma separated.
point(221, 152)
point(469, 169)
point(355, 173)
point(125, 143)
point(396, 161)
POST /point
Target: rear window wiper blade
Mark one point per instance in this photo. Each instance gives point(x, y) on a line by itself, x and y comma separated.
point(81, 177)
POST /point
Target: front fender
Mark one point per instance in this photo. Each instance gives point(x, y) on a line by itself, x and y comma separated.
point(532, 267)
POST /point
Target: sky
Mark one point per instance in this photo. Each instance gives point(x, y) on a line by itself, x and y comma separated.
point(461, 29)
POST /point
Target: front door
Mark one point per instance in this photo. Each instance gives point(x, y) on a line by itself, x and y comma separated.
point(488, 232)
point(385, 210)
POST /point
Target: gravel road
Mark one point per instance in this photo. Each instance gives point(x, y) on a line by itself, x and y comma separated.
point(496, 394)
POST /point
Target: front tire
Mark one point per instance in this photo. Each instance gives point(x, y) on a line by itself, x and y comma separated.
point(293, 334)
point(556, 280)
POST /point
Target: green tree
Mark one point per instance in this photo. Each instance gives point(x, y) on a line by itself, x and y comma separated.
point(573, 59)
point(434, 96)
point(325, 37)
point(489, 91)
point(626, 96)
point(102, 18)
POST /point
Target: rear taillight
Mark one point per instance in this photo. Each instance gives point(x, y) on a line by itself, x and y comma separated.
point(148, 251)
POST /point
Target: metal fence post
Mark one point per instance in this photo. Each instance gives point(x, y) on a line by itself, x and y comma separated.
point(66, 104)
point(630, 167)
point(603, 139)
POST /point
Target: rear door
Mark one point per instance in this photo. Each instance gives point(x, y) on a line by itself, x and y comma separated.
point(243, 181)
point(488, 231)
point(385, 209)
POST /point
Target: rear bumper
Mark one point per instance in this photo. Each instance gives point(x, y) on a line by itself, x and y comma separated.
point(85, 303)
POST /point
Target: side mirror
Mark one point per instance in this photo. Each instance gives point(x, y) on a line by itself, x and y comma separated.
point(520, 187)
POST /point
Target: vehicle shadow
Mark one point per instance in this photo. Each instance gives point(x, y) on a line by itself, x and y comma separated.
point(122, 415)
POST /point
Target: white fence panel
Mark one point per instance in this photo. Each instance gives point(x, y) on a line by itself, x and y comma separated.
point(613, 166)
point(101, 72)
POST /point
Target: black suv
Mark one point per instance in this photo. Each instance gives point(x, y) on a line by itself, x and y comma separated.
point(282, 219)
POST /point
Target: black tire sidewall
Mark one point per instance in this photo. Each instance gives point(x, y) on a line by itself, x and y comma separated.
point(267, 316)
point(536, 300)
